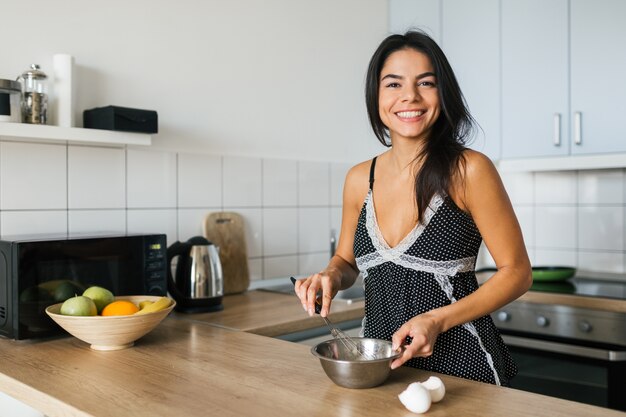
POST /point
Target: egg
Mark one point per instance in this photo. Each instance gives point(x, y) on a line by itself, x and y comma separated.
point(415, 398)
point(435, 388)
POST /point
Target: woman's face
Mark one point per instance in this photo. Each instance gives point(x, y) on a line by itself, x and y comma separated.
point(408, 98)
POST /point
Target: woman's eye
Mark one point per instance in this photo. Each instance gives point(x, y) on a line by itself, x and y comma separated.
point(427, 84)
point(392, 85)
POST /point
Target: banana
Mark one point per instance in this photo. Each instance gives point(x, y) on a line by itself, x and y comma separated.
point(144, 304)
point(159, 304)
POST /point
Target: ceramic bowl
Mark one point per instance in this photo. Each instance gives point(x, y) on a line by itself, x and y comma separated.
point(111, 332)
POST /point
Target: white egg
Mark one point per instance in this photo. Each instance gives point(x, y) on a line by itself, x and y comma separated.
point(415, 398)
point(435, 388)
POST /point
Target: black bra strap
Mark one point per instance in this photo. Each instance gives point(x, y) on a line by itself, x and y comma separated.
point(372, 173)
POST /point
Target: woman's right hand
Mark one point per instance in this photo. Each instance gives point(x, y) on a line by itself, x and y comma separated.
point(307, 289)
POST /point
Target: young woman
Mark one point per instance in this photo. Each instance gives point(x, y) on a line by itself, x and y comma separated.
point(414, 218)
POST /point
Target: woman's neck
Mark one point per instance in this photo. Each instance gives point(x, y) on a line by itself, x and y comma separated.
point(403, 154)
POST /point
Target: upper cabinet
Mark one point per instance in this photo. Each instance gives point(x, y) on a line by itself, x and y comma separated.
point(598, 67)
point(468, 33)
point(562, 63)
point(535, 85)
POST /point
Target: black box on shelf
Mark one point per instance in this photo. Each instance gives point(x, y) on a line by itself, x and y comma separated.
point(122, 119)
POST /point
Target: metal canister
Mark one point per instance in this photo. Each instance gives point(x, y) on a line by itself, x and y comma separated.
point(34, 95)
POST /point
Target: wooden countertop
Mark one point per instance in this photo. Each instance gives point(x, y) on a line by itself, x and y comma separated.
point(188, 368)
point(272, 314)
point(203, 364)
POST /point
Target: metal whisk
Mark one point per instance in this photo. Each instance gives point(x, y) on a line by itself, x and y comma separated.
point(349, 343)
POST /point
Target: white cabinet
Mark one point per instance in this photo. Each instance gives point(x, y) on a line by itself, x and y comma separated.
point(598, 68)
point(562, 77)
point(470, 40)
point(535, 85)
point(468, 33)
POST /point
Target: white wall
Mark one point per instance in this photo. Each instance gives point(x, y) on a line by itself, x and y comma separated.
point(271, 78)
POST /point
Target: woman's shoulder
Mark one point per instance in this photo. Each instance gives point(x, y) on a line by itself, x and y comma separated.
point(357, 183)
point(474, 165)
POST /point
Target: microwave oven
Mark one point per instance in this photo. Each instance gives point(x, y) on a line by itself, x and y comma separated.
point(36, 272)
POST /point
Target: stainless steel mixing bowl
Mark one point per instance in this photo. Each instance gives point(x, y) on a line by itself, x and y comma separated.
point(348, 369)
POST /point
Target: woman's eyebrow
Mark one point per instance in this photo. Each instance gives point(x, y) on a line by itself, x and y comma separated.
point(400, 77)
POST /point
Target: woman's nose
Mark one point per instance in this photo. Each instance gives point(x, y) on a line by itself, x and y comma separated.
point(410, 94)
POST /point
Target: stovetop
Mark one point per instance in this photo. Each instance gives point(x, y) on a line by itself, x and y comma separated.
point(584, 287)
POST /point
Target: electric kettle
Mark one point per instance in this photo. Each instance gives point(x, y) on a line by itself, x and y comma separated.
point(198, 285)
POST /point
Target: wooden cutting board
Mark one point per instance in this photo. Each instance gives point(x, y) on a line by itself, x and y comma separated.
point(226, 231)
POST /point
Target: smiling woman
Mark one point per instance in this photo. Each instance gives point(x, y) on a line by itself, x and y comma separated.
point(415, 240)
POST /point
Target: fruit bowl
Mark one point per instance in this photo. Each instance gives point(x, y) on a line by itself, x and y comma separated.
point(111, 332)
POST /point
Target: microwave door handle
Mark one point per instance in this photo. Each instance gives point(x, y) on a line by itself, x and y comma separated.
point(554, 347)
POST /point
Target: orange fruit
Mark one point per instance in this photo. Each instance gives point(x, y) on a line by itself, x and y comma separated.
point(120, 308)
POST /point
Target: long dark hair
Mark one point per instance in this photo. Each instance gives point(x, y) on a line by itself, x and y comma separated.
point(443, 150)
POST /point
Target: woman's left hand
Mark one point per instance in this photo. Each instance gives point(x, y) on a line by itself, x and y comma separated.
point(424, 330)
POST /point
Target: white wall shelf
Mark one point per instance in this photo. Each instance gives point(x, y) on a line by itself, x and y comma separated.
point(72, 135)
point(563, 163)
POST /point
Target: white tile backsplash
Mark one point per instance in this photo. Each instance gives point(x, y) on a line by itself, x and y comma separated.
point(556, 257)
point(313, 184)
point(199, 180)
point(96, 169)
point(314, 230)
point(289, 207)
point(153, 221)
point(310, 263)
point(151, 179)
point(555, 227)
point(280, 266)
point(555, 187)
point(601, 187)
point(338, 174)
point(612, 262)
point(33, 222)
point(96, 221)
point(32, 176)
point(280, 183)
point(520, 187)
point(600, 228)
point(242, 182)
point(190, 222)
point(280, 231)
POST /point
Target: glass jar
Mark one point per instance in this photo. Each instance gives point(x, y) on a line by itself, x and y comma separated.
point(34, 95)
point(10, 96)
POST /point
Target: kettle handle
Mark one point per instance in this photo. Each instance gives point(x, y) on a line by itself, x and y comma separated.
point(180, 249)
point(176, 249)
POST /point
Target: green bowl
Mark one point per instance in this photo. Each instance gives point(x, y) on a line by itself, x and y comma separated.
point(552, 273)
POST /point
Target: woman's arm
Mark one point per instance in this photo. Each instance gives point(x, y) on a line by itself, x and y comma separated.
point(480, 192)
point(341, 271)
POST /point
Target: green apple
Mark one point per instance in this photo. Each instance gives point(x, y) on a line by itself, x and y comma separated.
point(79, 306)
point(101, 296)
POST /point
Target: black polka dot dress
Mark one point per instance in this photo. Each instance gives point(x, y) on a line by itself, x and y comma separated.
point(431, 267)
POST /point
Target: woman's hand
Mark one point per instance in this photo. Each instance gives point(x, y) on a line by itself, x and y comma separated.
point(307, 289)
point(424, 330)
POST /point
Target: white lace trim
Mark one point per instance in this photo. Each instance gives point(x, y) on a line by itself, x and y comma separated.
point(450, 268)
point(371, 223)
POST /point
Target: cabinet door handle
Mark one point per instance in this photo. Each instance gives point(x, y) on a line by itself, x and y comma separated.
point(557, 129)
point(578, 133)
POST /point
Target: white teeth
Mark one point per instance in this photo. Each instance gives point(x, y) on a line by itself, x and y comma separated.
point(408, 114)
